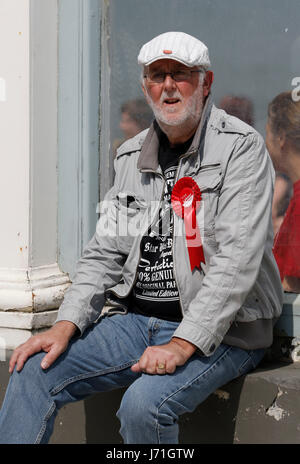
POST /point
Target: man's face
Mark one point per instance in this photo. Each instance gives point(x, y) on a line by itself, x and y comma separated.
point(174, 103)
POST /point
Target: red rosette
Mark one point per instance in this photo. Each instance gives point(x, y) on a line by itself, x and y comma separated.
point(185, 200)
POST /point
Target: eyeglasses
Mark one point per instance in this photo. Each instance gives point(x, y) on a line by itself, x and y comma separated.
point(158, 77)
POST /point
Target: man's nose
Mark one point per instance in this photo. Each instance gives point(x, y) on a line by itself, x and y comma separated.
point(169, 83)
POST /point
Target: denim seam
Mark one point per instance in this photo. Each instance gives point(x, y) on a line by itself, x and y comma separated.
point(186, 385)
point(157, 429)
point(89, 375)
point(245, 363)
point(44, 423)
point(248, 360)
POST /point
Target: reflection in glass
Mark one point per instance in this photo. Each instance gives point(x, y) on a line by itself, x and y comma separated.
point(283, 142)
point(240, 107)
point(136, 116)
point(255, 47)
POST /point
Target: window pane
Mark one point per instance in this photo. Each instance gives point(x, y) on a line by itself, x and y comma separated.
point(254, 50)
point(254, 46)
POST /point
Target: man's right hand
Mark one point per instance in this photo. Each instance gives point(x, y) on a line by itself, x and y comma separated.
point(53, 341)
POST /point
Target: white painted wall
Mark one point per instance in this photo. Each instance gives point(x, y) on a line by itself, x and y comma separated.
point(14, 133)
point(43, 131)
point(31, 283)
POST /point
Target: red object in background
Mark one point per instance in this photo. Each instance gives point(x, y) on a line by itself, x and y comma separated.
point(287, 241)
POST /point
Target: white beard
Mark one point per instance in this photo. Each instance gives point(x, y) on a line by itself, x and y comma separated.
point(191, 112)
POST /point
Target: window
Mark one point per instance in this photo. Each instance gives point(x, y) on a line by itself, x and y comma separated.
point(254, 49)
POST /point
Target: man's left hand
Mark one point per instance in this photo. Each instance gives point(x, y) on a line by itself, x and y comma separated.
point(163, 359)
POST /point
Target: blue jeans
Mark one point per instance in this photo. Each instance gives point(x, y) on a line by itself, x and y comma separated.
point(100, 361)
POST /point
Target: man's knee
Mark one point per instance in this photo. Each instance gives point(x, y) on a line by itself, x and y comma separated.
point(30, 372)
point(140, 406)
point(146, 417)
point(136, 407)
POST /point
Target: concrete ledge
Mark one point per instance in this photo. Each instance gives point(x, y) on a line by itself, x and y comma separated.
point(262, 407)
point(288, 324)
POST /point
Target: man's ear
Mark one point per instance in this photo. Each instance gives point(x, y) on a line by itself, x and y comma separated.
point(143, 81)
point(207, 83)
point(143, 88)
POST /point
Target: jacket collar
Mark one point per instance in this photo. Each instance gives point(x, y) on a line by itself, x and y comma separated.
point(148, 159)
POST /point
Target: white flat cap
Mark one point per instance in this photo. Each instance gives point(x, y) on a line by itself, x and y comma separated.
point(177, 46)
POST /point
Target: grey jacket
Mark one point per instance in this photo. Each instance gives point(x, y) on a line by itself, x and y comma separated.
point(237, 295)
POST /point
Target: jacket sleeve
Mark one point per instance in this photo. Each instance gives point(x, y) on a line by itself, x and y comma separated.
point(99, 268)
point(242, 225)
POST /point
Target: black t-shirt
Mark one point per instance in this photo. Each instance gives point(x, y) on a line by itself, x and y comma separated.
point(155, 292)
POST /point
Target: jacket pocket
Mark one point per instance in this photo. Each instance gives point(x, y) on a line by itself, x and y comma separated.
point(209, 180)
point(209, 177)
point(130, 218)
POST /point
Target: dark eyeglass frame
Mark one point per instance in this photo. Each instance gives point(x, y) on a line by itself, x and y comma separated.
point(158, 77)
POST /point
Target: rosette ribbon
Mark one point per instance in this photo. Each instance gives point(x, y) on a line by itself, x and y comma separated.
point(185, 199)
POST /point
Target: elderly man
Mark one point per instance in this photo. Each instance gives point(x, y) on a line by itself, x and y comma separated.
point(183, 255)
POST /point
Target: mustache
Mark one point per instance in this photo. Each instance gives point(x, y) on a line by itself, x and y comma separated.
point(173, 94)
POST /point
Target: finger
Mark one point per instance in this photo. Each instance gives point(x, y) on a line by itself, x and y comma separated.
point(142, 366)
point(23, 352)
point(170, 368)
point(13, 360)
point(136, 367)
point(22, 358)
point(148, 364)
point(51, 356)
point(32, 346)
point(160, 372)
point(150, 369)
point(161, 368)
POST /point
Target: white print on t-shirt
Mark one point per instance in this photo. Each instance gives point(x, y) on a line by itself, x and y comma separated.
point(155, 278)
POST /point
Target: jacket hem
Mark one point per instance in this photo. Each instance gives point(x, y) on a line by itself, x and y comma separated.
point(199, 336)
point(251, 335)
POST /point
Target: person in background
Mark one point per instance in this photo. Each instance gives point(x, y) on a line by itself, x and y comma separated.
point(136, 116)
point(283, 143)
point(240, 107)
